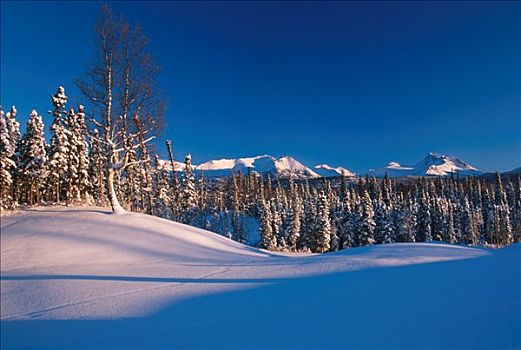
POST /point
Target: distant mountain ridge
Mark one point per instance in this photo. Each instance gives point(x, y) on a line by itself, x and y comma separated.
point(285, 167)
point(432, 165)
point(325, 170)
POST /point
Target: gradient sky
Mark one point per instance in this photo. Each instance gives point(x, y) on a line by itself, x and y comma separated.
point(345, 83)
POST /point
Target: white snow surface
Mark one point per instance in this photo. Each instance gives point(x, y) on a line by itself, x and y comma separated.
point(81, 278)
point(433, 164)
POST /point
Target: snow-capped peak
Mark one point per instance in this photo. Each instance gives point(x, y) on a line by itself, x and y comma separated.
point(440, 164)
point(433, 164)
point(283, 167)
point(326, 170)
point(290, 167)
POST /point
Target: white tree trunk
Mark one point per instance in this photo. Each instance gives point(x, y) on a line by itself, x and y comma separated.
point(114, 203)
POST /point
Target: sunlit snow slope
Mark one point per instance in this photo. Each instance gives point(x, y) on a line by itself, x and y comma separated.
point(82, 278)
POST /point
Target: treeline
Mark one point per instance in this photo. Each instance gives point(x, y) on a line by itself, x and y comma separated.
point(74, 168)
point(293, 215)
point(370, 211)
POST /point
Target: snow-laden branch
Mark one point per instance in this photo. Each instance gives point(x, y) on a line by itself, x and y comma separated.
point(134, 146)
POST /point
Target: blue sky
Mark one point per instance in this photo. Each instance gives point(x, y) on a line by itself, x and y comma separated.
point(346, 83)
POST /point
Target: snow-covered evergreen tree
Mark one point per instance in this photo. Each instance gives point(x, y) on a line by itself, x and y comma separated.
point(188, 192)
point(237, 223)
point(323, 227)
point(73, 157)
point(504, 229)
point(516, 211)
point(437, 210)
point(7, 164)
point(405, 222)
point(162, 191)
point(424, 219)
point(365, 225)
point(33, 159)
point(295, 218)
point(468, 227)
point(268, 240)
point(384, 226)
point(450, 233)
point(59, 147)
point(276, 222)
point(15, 140)
point(309, 219)
point(14, 128)
point(81, 134)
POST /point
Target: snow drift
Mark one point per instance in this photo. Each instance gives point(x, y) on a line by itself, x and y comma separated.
point(81, 278)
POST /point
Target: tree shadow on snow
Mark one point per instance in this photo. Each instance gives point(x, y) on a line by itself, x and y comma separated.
point(145, 279)
point(59, 210)
point(463, 304)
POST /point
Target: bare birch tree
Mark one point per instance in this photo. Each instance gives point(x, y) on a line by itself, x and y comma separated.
point(121, 86)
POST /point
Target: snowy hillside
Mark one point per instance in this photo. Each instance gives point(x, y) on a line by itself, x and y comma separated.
point(82, 278)
point(433, 164)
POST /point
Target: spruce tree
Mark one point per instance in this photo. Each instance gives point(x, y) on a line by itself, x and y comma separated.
point(276, 221)
point(268, 240)
point(323, 228)
point(424, 220)
point(364, 228)
point(81, 137)
point(13, 127)
point(33, 158)
point(384, 227)
point(516, 211)
point(405, 224)
point(504, 229)
point(450, 233)
point(294, 222)
point(15, 140)
point(59, 148)
point(7, 164)
point(161, 190)
point(306, 241)
point(468, 228)
point(188, 192)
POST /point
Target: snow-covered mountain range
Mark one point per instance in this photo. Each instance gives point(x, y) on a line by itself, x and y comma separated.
point(432, 165)
point(288, 167)
point(283, 167)
point(325, 170)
